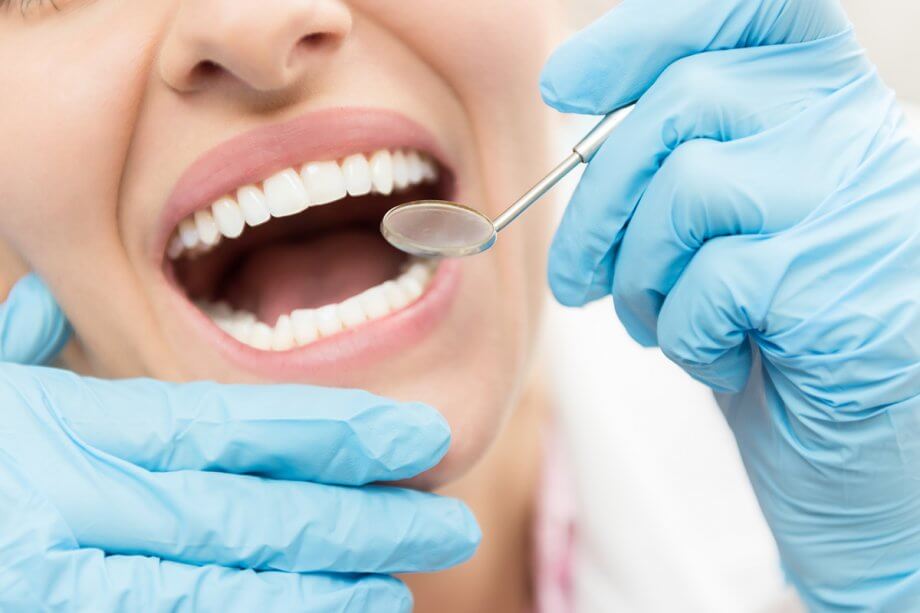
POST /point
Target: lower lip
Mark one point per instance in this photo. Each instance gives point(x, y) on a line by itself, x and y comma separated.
point(330, 358)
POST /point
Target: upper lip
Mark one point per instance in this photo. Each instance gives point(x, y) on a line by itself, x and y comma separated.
point(252, 157)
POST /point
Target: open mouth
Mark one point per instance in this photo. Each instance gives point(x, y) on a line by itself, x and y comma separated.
point(297, 258)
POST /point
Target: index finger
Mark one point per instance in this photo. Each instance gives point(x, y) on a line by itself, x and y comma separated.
point(289, 432)
point(617, 58)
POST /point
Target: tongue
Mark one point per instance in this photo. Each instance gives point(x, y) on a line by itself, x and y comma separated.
point(274, 280)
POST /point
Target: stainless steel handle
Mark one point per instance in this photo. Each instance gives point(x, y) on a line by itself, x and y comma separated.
point(591, 143)
point(581, 154)
point(537, 191)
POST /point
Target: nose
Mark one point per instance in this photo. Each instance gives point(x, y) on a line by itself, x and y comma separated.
point(267, 45)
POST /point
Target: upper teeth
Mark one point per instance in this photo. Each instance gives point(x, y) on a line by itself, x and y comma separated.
point(291, 191)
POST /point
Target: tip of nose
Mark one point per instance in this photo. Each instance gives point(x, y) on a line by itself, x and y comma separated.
point(271, 50)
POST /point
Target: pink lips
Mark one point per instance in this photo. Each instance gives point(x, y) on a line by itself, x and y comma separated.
point(254, 156)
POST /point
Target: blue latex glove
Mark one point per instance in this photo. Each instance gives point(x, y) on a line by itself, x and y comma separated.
point(141, 496)
point(758, 217)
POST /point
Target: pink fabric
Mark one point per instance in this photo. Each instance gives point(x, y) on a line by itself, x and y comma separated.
point(554, 534)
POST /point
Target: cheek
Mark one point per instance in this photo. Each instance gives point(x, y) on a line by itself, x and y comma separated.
point(63, 150)
point(490, 43)
point(63, 153)
point(491, 54)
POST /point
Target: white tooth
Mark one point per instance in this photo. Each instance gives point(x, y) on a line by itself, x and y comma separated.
point(411, 287)
point(327, 320)
point(416, 169)
point(430, 171)
point(203, 249)
point(305, 331)
point(375, 303)
point(262, 336)
point(229, 217)
point(188, 232)
point(419, 271)
point(207, 228)
point(221, 310)
point(382, 172)
point(252, 202)
point(324, 181)
point(242, 329)
point(176, 247)
point(244, 317)
point(283, 338)
point(285, 194)
point(357, 171)
point(395, 295)
point(352, 313)
point(400, 170)
point(226, 324)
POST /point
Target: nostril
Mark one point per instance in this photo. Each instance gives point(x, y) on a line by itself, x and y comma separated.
point(318, 44)
point(205, 70)
point(318, 40)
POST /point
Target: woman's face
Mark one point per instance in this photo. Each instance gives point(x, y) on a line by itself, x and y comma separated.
point(136, 132)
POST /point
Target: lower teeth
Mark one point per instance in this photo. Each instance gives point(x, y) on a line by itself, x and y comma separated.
point(305, 326)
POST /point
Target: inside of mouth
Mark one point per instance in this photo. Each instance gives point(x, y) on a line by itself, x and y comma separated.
point(321, 256)
point(325, 255)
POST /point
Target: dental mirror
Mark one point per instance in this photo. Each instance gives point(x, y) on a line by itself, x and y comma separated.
point(437, 228)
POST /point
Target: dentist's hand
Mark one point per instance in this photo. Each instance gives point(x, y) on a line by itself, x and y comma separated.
point(758, 217)
point(145, 496)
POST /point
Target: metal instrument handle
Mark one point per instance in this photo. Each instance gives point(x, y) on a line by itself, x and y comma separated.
point(581, 154)
point(592, 143)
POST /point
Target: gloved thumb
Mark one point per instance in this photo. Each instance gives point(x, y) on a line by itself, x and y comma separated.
point(33, 329)
point(617, 58)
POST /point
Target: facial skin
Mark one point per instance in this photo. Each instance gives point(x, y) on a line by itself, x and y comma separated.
point(113, 101)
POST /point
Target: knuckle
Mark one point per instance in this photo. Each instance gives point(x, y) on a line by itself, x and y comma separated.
point(692, 171)
point(692, 164)
point(670, 337)
point(675, 339)
point(627, 284)
point(707, 278)
point(699, 77)
point(711, 264)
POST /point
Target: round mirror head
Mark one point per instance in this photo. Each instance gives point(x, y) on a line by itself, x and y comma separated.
point(435, 228)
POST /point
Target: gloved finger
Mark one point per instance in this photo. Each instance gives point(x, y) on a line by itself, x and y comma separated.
point(689, 101)
point(706, 189)
point(90, 581)
point(620, 56)
point(33, 329)
point(214, 517)
point(248, 522)
point(695, 197)
point(291, 432)
point(717, 304)
point(41, 563)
